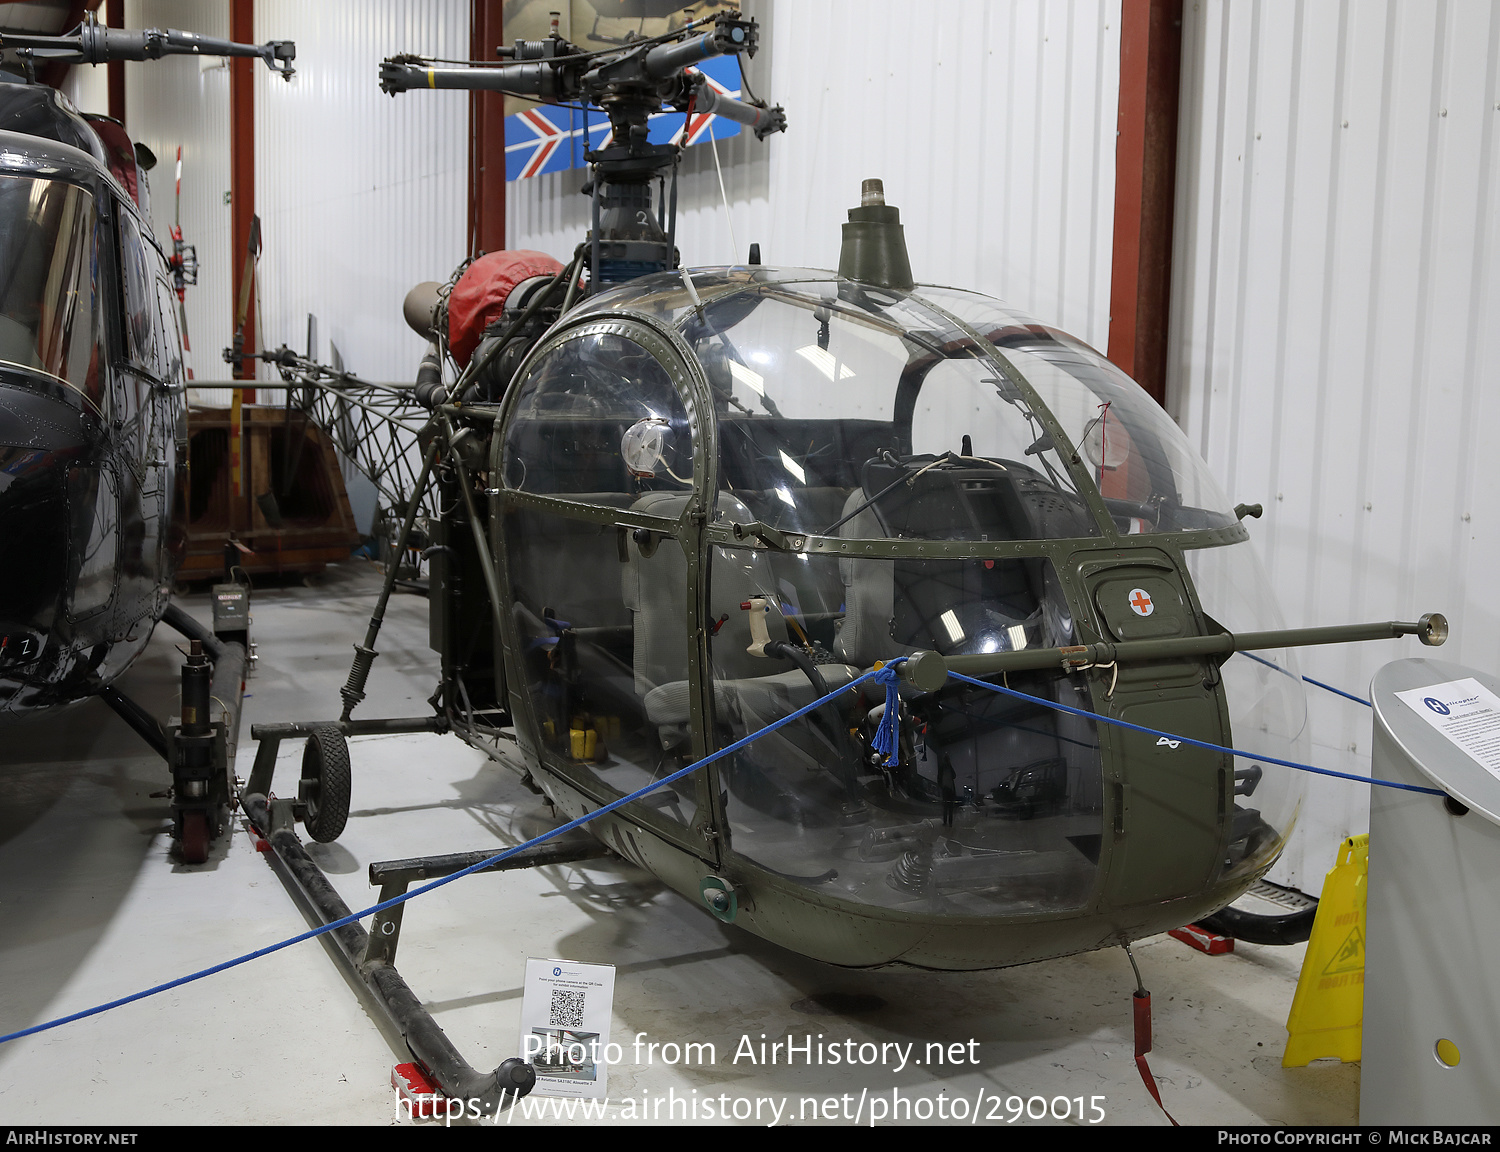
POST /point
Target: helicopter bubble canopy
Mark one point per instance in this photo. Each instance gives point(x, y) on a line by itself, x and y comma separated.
point(920, 374)
point(812, 476)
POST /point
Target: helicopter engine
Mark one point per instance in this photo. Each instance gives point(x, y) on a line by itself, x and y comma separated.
point(483, 316)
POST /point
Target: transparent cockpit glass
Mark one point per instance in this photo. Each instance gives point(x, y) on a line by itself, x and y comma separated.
point(171, 333)
point(994, 805)
point(49, 301)
point(598, 415)
point(604, 660)
point(666, 294)
point(663, 295)
point(1267, 705)
point(143, 332)
point(829, 396)
point(1151, 478)
point(602, 615)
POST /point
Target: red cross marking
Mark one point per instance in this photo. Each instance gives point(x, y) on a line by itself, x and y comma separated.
point(1140, 602)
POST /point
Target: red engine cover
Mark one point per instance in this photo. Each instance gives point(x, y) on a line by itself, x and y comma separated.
point(479, 296)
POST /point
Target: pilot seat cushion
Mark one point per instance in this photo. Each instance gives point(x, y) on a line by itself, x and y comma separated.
point(749, 691)
point(864, 634)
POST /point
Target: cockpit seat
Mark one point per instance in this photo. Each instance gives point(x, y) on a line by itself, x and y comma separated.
point(864, 634)
point(749, 691)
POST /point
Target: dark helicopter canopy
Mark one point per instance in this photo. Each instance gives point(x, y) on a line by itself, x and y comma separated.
point(823, 384)
point(51, 309)
point(36, 110)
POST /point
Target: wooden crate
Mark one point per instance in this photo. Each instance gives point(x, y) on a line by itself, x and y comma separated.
point(317, 525)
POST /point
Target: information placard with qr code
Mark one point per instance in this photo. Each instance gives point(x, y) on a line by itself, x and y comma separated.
point(565, 1013)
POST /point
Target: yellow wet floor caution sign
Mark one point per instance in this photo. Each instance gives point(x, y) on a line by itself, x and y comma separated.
point(1329, 1007)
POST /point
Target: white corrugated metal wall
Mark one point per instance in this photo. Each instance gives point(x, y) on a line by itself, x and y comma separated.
point(1334, 328)
point(360, 195)
point(185, 101)
point(88, 88)
point(992, 125)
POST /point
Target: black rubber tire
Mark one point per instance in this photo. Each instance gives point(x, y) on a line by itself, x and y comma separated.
point(324, 787)
point(194, 843)
point(1290, 928)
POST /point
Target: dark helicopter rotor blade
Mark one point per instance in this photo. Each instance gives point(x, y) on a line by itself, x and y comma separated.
point(762, 121)
point(93, 43)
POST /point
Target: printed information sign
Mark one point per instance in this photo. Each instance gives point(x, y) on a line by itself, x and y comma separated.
point(565, 1013)
point(1464, 711)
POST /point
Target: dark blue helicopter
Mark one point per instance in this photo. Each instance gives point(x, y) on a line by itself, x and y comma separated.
point(93, 424)
point(93, 428)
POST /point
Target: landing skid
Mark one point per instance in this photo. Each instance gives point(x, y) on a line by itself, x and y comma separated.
point(367, 959)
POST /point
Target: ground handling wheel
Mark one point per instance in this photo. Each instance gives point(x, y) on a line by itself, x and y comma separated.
point(323, 790)
point(194, 843)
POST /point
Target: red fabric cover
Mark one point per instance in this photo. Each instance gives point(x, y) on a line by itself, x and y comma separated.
point(479, 296)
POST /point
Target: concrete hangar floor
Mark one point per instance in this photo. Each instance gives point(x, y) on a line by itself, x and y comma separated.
point(93, 907)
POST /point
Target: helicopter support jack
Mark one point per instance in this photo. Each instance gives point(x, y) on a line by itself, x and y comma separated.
point(199, 751)
point(198, 755)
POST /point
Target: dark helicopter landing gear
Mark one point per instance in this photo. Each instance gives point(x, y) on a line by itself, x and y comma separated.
point(323, 790)
point(198, 755)
point(200, 750)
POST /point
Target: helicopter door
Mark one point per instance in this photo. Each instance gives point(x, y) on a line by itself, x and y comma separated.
point(597, 456)
point(1171, 799)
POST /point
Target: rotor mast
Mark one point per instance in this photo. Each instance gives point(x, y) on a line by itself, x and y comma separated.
point(630, 84)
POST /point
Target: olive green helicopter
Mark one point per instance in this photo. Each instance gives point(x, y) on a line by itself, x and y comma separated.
point(716, 497)
point(681, 506)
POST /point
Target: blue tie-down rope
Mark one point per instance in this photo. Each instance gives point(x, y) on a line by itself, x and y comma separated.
point(887, 675)
point(887, 741)
point(1189, 740)
point(495, 859)
point(1309, 679)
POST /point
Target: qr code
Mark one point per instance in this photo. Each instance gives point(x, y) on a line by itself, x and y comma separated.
point(567, 1008)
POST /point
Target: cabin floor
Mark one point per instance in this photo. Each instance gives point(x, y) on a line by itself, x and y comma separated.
point(95, 908)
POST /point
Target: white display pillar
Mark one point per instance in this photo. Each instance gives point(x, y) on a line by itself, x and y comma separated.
point(1431, 1041)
